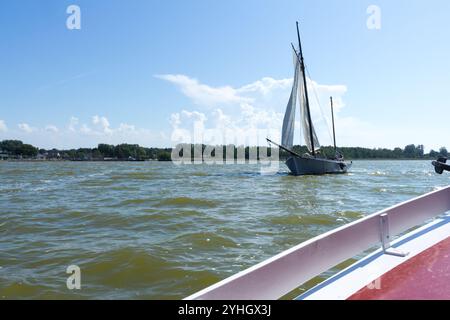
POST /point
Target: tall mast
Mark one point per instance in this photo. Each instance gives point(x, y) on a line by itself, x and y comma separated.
point(332, 118)
point(302, 66)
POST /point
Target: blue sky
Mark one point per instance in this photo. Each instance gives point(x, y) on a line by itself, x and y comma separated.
point(140, 71)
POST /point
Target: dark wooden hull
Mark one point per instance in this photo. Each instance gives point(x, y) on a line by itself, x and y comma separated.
point(305, 166)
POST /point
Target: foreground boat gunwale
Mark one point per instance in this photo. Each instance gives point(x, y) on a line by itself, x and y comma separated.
point(277, 276)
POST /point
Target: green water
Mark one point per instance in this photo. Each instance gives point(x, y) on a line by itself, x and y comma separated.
point(153, 230)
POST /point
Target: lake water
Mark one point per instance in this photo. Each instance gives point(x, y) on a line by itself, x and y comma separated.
point(154, 230)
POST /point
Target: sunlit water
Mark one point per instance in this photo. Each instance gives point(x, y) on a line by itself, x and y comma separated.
point(153, 230)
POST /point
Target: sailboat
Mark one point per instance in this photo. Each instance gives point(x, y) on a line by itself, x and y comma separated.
point(313, 162)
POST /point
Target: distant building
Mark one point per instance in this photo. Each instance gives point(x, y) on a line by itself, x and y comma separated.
point(42, 156)
point(4, 155)
point(53, 154)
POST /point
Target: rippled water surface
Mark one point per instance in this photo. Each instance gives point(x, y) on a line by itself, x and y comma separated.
point(153, 230)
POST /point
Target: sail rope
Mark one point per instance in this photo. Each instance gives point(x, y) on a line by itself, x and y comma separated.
point(327, 124)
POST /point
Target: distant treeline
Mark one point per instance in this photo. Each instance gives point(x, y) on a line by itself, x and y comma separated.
point(15, 149)
point(410, 151)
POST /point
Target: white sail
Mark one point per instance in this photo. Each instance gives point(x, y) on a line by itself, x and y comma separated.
point(304, 117)
point(287, 135)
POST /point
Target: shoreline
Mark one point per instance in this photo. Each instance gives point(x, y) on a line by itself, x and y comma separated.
point(156, 160)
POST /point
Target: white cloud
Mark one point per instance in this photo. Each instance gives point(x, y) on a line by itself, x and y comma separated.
point(202, 94)
point(3, 127)
point(25, 127)
point(242, 115)
point(85, 129)
point(266, 85)
point(76, 134)
point(124, 127)
point(193, 125)
point(73, 122)
point(102, 123)
point(51, 128)
point(324, 92)
point(251, 113)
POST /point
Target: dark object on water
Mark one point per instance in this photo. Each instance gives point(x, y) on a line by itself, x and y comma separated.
point(440, 165)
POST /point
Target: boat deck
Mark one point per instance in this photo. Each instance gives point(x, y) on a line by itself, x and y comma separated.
point(426, 276)
point(424, 273)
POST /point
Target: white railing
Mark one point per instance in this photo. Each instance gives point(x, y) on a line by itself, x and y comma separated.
point(277, 276)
